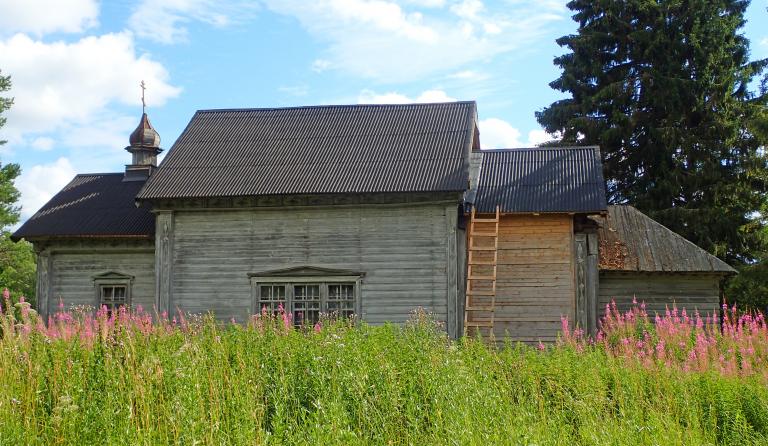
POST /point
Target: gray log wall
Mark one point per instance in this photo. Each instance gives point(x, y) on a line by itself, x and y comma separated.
point(659, 290)
point(408, 252)
point(66, 271)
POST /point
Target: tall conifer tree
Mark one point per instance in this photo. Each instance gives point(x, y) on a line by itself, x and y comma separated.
point(667, 90)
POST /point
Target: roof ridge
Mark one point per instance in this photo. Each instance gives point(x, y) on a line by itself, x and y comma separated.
point(98, 174)
point(301, 107)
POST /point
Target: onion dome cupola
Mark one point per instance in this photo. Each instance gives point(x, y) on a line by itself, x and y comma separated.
point(144, 146)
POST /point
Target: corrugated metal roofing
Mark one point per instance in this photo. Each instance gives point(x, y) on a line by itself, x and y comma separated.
point(92, 205)
point(319, 149)
point(632, 241)
point(562, 179)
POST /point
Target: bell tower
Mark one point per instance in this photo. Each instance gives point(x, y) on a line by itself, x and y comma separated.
point(144, 147)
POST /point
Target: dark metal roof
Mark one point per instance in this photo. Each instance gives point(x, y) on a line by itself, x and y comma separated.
point(319, 149)
point(561, 179)
point(632, 241)
point(92, 205)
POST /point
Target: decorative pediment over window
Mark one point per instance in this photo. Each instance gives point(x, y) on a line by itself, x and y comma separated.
point(112, 276)
point(113, 290)
point(307, 271)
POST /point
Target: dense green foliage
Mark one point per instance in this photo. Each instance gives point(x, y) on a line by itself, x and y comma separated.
point(17, 260)
point(264, 384)
point(750, 287)
point(18, 266)
point(5, 103)
point(667, 90)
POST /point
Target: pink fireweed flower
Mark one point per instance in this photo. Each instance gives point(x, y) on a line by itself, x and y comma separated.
point(318, 327)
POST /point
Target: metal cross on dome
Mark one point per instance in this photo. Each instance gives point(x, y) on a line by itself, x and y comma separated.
point(143, 104)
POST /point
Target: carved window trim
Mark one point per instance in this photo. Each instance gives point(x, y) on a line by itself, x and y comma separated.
point(112, 280)
point(283, 284)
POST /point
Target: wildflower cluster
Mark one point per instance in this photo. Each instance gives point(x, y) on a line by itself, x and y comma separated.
point(734, 345)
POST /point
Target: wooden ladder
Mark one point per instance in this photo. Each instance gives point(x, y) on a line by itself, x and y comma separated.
point(482, 258)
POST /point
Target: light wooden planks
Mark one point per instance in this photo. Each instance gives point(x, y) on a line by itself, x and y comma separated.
point(535, 284)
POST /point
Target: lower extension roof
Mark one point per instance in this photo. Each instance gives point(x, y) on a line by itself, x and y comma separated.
point(92, 205)
point(633, 241)
point(541, 179)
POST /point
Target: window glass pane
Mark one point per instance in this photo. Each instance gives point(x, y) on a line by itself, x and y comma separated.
point(113, 296)
point(271, 297)
point(306, 304)
point(341, 300)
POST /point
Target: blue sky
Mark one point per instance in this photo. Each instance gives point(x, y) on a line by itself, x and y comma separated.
point(76, 67)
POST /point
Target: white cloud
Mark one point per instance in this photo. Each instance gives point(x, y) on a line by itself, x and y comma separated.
point(371, 97)
point(40, 17)
point(59, 84)
point(536, 137)
point(320, 65)
point(165, 21)
point(470, 75)
point(384, 16)
point(42, 143)
point(498, 134)
point(397, 42)
point(468, 9)
point(425, 3)
point(41, 182)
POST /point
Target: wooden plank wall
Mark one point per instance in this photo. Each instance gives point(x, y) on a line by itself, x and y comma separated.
point(71, 278)
point(535, 283)
point(659, 290)
point(404, 250)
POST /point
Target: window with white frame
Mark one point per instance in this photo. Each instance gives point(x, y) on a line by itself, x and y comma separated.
point(306, 293)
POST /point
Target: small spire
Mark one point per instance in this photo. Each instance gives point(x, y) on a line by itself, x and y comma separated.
point(143, 104)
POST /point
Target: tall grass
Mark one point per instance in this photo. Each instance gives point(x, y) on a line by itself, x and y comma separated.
point(122, 379)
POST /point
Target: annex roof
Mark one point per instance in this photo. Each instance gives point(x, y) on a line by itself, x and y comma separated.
point(92, 205)
point(317, 150)
point(632, 241)
point(542, 179)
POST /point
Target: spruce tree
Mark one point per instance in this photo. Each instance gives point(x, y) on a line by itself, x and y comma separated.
point(667, 90)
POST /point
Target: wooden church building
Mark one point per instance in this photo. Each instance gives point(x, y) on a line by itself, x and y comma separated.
point(371, 210)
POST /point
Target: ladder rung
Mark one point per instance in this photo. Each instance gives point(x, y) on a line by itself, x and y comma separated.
point(481, 293)
point(481, 277)
point(479, 308)
point(488, 324)
point(486, 220)
point(484, 234)
point(480, 262)
point(482, 248)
